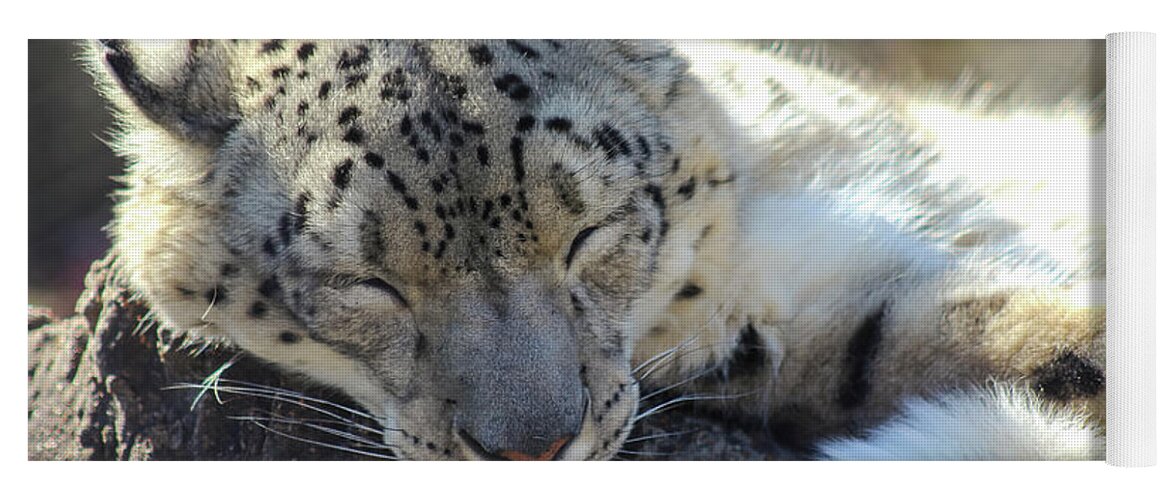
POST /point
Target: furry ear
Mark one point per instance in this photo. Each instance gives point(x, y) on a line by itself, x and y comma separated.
point(184, 86)
point(652, 68)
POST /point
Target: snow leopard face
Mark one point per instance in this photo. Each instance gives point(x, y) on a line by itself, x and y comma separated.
point(452, 232)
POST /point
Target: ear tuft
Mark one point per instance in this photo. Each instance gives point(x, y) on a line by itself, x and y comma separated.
point(184, 86)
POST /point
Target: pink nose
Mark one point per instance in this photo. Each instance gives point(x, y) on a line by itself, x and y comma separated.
point(548, 454)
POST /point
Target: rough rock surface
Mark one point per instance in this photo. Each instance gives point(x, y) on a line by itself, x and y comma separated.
point(106, 384)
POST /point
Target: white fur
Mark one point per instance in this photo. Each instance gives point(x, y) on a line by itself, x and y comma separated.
point(999, 422)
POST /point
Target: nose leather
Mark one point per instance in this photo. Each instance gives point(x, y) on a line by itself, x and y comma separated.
point(548, 454)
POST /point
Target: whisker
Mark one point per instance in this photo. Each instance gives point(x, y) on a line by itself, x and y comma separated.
point(660, 435)
point(686, 399)
point(666, 352)
point(277, 397)
point(259, 389)
point(212, 380)
point(289, 392)
point(698, 375)
point(711, 318)
point(329, 430)
point(666, 361)
point(644, 453)
point(318, 443)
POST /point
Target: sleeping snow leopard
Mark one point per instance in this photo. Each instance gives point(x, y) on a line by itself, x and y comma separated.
point(499, 247)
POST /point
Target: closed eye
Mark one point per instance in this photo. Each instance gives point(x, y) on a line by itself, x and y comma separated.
point(382, 286)
point(578, 241)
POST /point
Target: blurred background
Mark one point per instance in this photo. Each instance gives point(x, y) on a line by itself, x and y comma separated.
point(71, 169)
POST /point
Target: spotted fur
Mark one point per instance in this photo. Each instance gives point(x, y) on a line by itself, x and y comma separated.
point(478, 240)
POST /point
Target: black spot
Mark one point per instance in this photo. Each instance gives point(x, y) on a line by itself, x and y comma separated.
point(289, 337)
point(525, 123)
point(481, 55)
point(253, 85)
point(689, 291)
point(269, 247)
point(257, 310)
point(518, 159)
point(473, 128)
point(643, 146)
point(436, 186)
point(420, 227)
point(423, 155)
point(302, 108)
point(524, 50)
point(577, 307)
point(611, 141)
point(301, 213)
point(374, 160)
point(453, 85)
point(687, 190)
point(456, 139)
point(217, 294)
point(354, 136)
point(306, 51)
point(656, 195)
point(269, 288)
point(323, 91)
point(348, 115)
point(412, 202)
point(448, 231)
point(284, 228)
point(513, 86)
point(405, 126)
point(505, 200)
point(272, 46)
point(429, 122)
point(675, 165)
point(302, 74)
point(482, 155)
point(396, 182)
point(341, 174)
point(559, 124)
point(228, 270)
point(1068, 376)
point(360, 56)
point(280, 72)
point(354, 80)
point(370, 235)
point(860, 354)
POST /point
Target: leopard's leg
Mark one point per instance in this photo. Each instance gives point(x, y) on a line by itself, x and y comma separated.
point(1034, 362)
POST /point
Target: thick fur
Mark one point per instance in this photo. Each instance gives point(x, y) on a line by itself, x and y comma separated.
point(995, 423)
point(493, 245)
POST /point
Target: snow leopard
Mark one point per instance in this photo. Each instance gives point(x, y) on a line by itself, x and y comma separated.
point(501, 248)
